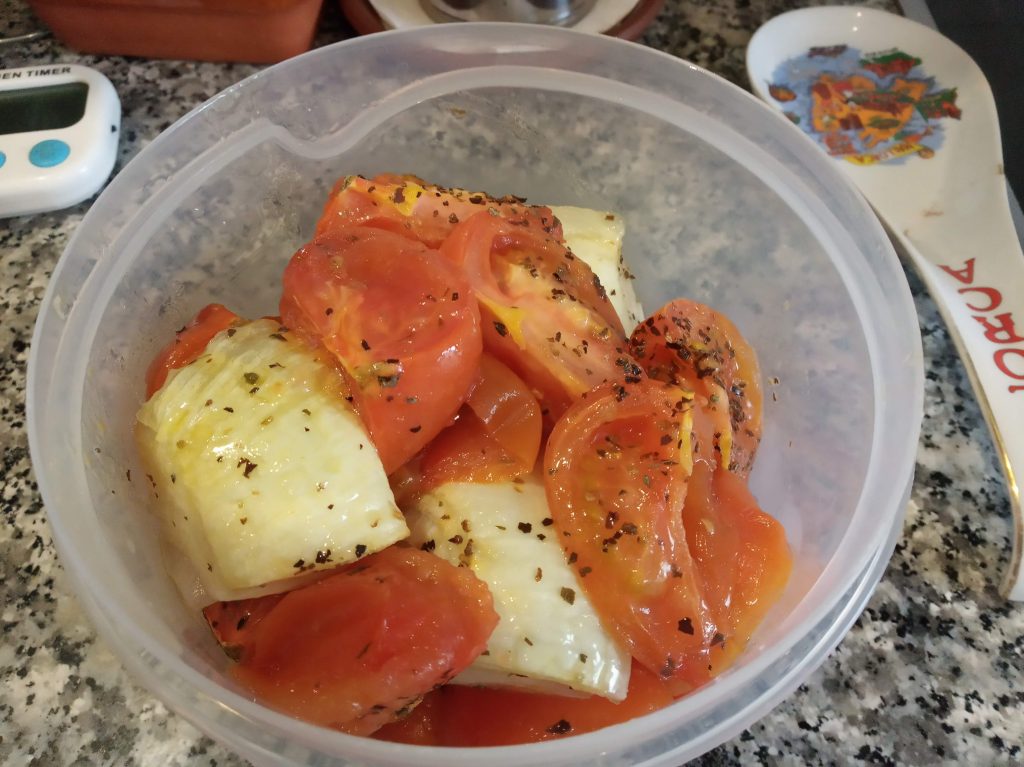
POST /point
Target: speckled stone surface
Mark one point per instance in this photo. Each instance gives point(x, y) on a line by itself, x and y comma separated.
point(932, 672)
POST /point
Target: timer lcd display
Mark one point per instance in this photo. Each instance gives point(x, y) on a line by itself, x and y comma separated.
point(50, 107)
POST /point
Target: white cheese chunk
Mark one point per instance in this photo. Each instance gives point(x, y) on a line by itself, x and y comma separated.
point(549, 638)
point(263, 470)
point(596, 237)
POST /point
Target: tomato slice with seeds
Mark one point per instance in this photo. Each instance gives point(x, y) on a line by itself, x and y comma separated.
point(691, 345)
point(543, 311)
point(402, 323)
point(360, 648)
point(616, 480)
point(411, 207)
point(188, 344)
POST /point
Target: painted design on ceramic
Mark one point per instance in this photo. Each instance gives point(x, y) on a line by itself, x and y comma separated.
point(865, 108)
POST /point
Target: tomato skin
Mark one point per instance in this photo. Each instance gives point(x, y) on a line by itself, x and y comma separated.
point(508, 410)
point(401, 322)
point(410, 207)
point(496, 436)
point(465, 452)
point(188, 344)
point(543, 311)
point(691, 345)
point(616, 481)
point(232, 622)
point(742, 558)
point(358, 649)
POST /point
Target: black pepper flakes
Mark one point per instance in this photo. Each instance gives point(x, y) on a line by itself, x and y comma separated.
point(525, 527)
point(561, 727)
point(360, 550)
point(251, 378)
point(501, 328)
point(569, 595)
point(686, 626)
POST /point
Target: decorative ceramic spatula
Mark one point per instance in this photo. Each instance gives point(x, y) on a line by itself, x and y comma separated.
point(911, 119)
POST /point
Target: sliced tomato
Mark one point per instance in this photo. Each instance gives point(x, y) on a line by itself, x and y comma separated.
point(479, 716)
point(232, 622)
point(616, 479)
point(402, 323)
point(742, 558)
point(360, 648)
point(466, 452)
point(188, 344)
point(411, 207)
point(543, 311)
point(508, 410)
point(691, 345)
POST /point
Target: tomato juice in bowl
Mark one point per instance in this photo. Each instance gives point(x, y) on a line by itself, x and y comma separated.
point(723, 202)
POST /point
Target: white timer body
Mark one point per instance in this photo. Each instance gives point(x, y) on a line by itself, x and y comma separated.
point(59, 129)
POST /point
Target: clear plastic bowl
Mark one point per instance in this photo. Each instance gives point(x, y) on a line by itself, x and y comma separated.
point(724, 202)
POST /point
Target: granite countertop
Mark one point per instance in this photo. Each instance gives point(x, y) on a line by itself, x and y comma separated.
point(932, 672)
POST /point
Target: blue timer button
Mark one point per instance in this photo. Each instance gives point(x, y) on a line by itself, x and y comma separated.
point(3, 159)
point(48, 153)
